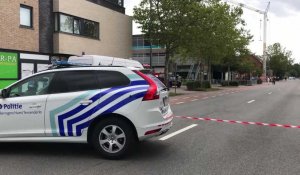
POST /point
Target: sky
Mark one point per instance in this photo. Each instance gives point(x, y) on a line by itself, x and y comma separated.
point(283, 24)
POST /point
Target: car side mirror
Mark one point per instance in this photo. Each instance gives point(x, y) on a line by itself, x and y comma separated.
point(4, 93)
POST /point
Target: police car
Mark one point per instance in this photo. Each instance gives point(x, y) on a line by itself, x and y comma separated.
point(110, 108)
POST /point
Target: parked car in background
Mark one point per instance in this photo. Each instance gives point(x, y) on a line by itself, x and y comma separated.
point(175, 81)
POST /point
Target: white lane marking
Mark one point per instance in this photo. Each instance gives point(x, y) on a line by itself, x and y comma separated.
point(204, 98)
point(196, 96)
point(270, 93)
point(179, 103)
point(213, 97)
point(178, 132)
point(186, 98)
point(195, 100)
point(232, 92)
point(251, 101)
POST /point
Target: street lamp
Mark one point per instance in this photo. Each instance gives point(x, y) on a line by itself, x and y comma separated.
point(150, 33)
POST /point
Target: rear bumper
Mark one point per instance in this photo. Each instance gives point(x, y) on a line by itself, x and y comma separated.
point(156, 129)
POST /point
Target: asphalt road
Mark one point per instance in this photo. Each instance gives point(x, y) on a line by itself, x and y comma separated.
point(206, 147)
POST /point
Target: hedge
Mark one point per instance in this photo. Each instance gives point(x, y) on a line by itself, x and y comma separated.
point(230, 83)
point(259, 81)
point(195, 85)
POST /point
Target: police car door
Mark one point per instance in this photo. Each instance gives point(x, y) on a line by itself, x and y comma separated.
point(71, 102)
point(22, 112)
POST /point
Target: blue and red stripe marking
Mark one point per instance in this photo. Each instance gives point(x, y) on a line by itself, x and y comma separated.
point(61, 118)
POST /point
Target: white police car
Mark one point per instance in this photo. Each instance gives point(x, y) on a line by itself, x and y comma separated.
point(108, 107)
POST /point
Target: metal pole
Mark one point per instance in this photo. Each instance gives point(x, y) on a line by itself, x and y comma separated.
point(176, 80)
point(150, 33)
point(265, 41)
point(265, 46)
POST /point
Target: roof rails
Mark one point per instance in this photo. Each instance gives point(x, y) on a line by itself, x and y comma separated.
point(66, 64)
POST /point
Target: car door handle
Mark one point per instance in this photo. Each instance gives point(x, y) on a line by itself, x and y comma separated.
point(35, 106)
point(86, 102)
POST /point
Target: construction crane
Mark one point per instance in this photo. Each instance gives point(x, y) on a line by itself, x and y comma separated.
point(265, 13)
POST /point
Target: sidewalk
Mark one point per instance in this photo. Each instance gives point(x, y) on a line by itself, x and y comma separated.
point(183, 90)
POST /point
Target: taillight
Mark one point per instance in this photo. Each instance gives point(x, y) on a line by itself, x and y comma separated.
point(151, 93)
point(152, 131)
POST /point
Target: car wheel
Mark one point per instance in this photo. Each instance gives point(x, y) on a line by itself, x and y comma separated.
point(113, 138)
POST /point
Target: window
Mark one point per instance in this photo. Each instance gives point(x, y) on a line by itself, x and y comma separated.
point(26, 16)
point(77, 26)
point(66, 24)
point(147, 43)
point(74, 81)
point(109, 79)
point(117, 2)
point(37, 85)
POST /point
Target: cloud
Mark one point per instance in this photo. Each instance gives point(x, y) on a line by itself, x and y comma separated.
point(129, 5)
point(280, 8)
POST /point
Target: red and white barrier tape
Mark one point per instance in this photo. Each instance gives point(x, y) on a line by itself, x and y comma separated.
point(240, 122)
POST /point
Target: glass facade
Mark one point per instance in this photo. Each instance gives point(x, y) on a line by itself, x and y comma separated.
point(141, 51)
point(117, 2)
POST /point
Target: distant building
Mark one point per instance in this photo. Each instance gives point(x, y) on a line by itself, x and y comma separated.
point(141, 52)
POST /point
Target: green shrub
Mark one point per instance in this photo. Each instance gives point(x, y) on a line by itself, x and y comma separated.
point(230, 83)
point(234, 83)
point(246, 82)
point(206, 85)
point(194, 85)
point(243, 82)
point(259, 81)
point(184, 81)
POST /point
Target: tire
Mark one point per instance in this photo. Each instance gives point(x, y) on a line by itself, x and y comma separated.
point(105, 141)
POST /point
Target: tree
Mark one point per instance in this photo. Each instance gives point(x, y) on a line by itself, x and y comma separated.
point(165, 21)
point(216, 34)
point(279, 59)
point(294, 70)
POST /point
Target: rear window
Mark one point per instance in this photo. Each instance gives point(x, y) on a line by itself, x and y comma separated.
point(159, 84)
point(73, 81)
point(109, 79)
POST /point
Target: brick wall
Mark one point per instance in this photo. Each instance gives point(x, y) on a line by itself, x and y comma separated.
point(11, 35)
point(46, 27)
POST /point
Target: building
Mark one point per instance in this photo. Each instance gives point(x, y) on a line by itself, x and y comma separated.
point(220, 73)
point(34, 31)
point(141, 52)
point(258, 62)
